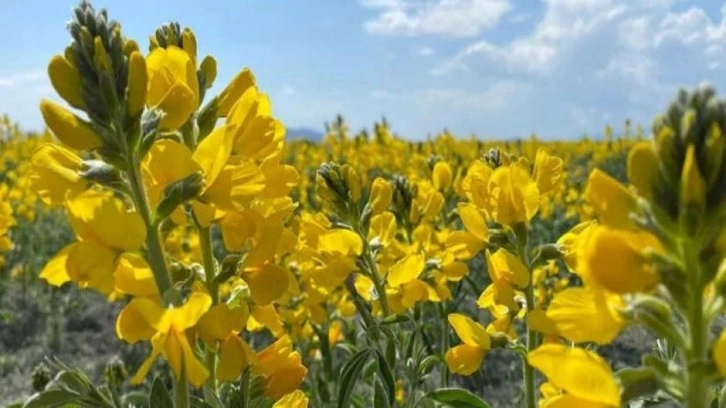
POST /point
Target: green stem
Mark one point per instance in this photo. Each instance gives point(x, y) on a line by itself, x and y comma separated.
point(182, 391)
point(696, 355)
point(529, 389)
point(378, 283)
point(155, 251)
point(205, 242)
point(445, 375)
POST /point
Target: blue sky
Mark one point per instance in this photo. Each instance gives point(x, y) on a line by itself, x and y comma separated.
point(496, 68)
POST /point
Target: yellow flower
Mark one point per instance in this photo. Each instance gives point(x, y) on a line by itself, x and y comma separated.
point(145, 319)
point(295, 399)
point(615, 260)
point(514, 195)
point(105, 229)
point(466, 358)
point(173, 86)
point(55, 175)
point(69, 128)
point(282, 368)
point(587, 315)
point(467, 244)
point(582, 374)
point(547, 171)
point(476, 185)
point(507, 273)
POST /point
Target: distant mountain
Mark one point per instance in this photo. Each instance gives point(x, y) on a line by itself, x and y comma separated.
point(313, 135)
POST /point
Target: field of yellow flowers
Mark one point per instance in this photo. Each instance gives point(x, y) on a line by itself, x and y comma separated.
point(164, 247)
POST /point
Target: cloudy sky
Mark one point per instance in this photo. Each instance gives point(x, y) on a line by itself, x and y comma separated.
point(496, 68)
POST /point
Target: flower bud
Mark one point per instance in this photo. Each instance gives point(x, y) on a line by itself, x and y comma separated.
point(381, 195)
point(137, 84)
point(100, 56)
point(352, 182)
point(208, 68)
point(693, 186)
point(643, 169)
point(189, 44)
point(69, 128)
point(66, 81)
point(714, 148)
point(442, 176)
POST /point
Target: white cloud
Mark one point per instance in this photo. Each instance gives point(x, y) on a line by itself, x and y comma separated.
point(425, 51)
point(497, 96)
point(21, 79)
point(287, 90)
point(459, 18)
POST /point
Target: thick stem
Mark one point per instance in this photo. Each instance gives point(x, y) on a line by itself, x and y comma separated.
point(155, 251)
point(181, 390)
point(205, 242)
point(529, 389)
point(378, 283)
point(445, 375)
point(696, 355)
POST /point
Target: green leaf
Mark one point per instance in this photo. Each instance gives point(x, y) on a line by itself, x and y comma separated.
point(159, 396)
point(386, 374)
point(380, 397)
point(456, 398)
point(51, 399)
point(350, 376)
point(178, 193)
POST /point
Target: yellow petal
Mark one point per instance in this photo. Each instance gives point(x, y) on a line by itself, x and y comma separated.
point(213, 152)
point(55, 176)
point(221, 321)
point(295, 399)
point(69, 128)
point(614, 260)
point(469, 331)
point(131, 326)
point(719, 353)
point(547, 171)
point(234, 91)
point(341, 241)
point(406, 270)
point(267, 284)
point(195, 371)
point(580, 373)
point(91, 265)
point(505, 267)
point(189, 313)
point(612, 202)
point(465, 359)
point(464, 245)
point(55, 272)
point(473, 221)
point(233, 358)
point(584, 315)
point(177, 104)
point(105, 219)
point(133, 276)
